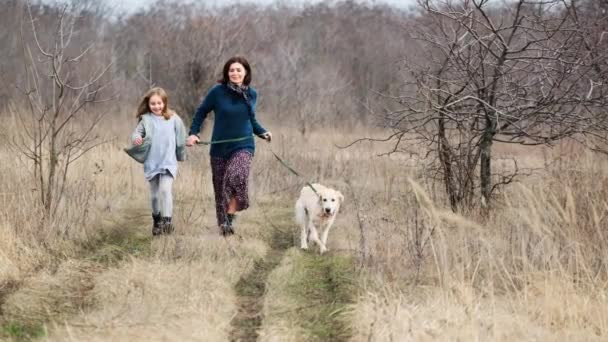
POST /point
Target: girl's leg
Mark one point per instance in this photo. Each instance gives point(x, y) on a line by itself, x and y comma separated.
point(218, 172)
point(166, 193)
point(237, 181)
point(155, 202)
point(155, 195)
point(165, 188)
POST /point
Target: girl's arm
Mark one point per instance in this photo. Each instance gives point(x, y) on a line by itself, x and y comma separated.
point(180, 139)
point(180, 133)
point(139, 131)
point(205, 107)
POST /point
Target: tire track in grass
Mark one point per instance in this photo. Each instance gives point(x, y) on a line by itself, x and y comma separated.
point(121, 238)
point(251, 288)
point(322, 285)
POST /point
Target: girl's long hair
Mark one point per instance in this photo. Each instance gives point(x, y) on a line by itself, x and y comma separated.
point(144, 107)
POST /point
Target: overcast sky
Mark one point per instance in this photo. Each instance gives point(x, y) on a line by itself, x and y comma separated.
point(132, 5)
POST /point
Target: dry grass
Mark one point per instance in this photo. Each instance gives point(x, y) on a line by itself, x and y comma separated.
point(535, 269)
point(280, 306)
point(547, 310)
point(307, 298)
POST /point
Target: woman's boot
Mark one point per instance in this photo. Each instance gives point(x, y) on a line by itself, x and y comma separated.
point(227, 228)
point(232, 222)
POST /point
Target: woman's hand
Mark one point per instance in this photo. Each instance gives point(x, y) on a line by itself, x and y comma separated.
point(266, 136)
point(193, 139)
point(138, 141)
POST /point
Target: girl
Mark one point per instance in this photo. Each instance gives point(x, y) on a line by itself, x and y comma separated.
point(233, 101)
point(159, 143)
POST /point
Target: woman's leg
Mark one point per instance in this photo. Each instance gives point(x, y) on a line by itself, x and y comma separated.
point(218, 172)
point(232, 206)
point(237, 181)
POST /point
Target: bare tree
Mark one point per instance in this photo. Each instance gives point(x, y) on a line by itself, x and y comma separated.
point(57, 131)
point(520, 73)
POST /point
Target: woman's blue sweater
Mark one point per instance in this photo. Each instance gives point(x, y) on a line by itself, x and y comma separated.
point(233, 119)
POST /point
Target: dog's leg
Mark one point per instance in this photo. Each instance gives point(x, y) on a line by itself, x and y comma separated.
point(314, 236)
point(326, 232)
point(302, 220)
point(304, 236)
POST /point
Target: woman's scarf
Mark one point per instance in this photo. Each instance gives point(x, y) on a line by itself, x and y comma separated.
point(241, 90)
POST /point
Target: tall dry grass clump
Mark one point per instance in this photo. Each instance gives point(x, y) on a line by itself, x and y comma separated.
point(535, 268)
point(43, 268)
point(29, 241)
point(101, 182)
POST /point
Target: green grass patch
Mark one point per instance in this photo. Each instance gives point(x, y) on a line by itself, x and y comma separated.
point(251, 288)
point(115, 245)
point(25, 309)
point(324, 285)
point(19, 332)
point(120, 240)
point(321, 287)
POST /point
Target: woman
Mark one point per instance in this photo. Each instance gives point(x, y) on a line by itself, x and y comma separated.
point(233, 102)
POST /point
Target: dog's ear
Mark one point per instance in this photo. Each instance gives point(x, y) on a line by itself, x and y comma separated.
point(341, 197)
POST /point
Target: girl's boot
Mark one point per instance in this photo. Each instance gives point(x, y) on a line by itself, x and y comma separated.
point(167, 226)
point(156, 227)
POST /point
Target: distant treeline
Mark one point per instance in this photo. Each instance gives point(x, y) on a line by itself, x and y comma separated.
point(312, 65)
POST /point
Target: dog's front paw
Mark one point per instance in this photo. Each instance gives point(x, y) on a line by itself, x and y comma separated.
point(323, 249)
point(304, 246)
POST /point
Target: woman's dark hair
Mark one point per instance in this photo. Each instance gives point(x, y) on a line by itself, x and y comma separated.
point(236, 59)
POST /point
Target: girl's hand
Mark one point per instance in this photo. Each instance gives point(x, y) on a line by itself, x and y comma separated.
point(193, 139)
point(138, 141)
point(267, 136)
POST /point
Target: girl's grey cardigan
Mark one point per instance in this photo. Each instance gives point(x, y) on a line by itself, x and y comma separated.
point(140, 152)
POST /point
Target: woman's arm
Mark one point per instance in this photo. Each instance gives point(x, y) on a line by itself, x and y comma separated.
point(257, 128)
point(203, 109)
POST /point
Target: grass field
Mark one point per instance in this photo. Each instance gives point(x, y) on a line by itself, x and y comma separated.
point(402, 267)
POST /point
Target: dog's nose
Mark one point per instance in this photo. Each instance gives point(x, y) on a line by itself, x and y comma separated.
point(328, 210)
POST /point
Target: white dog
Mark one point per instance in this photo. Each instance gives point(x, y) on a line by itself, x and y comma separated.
point(317, 210)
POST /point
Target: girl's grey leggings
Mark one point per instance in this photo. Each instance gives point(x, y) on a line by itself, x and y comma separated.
point(161, 194)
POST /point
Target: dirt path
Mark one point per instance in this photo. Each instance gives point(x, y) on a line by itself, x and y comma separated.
point(321, 285)
point(251, 288)
point(325, 287)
